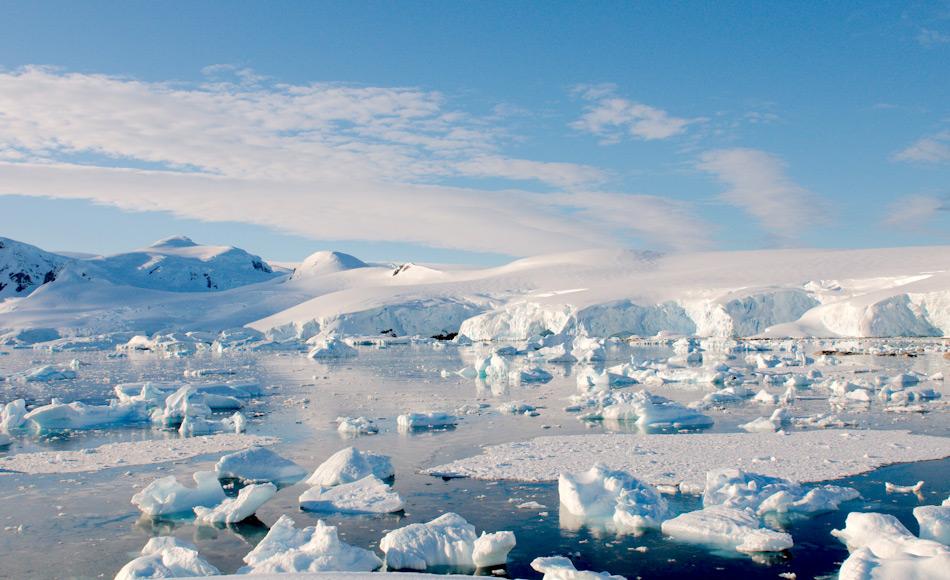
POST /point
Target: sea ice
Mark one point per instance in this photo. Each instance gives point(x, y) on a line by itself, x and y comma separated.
point(762, 494)
point(77, 415)
point(369, 495)
point(605, 497)
point(882, 548)
point(934, 522)
point(561, 568)
point(349, 465)
point(448, 540)
point(356, 426)
point(259, 464)
point(432, 420)
point(165, 496)
point(47, 373)
point(330, 348)
point(726, 527)
point(285, 550)
point(237, 509)
point(167, 557)
point(12, 415)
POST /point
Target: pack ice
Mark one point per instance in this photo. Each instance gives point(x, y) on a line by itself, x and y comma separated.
point(167, 557)
point(881, 547)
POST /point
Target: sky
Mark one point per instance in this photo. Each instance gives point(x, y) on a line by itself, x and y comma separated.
point(474, 132)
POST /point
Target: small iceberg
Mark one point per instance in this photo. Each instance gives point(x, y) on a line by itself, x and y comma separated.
point(881, 547)
point(287, 550)
point(448, 540)
point(369, 495)
point(561, 568)
point(259, 464)
point(167, 557)
point(726, 527)
point(237, 509)
point(433, 420)
point(349, 465)
point(603, 497)
point(165, 496)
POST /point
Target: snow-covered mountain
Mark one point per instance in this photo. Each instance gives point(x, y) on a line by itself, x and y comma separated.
point(178, 264)
point(825, 293)
point(23, 267)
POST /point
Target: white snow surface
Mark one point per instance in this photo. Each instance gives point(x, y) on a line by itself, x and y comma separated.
point(24, 268)
point(178, 285)
point(726, 527)
point(805, 456)
point(126, 454)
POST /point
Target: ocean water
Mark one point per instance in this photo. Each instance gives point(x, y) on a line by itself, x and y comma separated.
point(82, 525)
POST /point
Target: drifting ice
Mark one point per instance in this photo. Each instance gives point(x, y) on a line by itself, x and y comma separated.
point(165, 496)
point(237, 509)
point(606, 497)
point(167, 557)
point(369, 495)
point(259, 464)
point(349, 465)
point(448, 540)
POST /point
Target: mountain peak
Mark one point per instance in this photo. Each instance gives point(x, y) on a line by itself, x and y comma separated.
point(174, 242)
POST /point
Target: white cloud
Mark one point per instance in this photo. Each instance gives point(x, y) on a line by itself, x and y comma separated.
point(612, 117)
point(914, 211)
point(930, 38)
point(759, 186)
point(326, 161)
point(932, 149)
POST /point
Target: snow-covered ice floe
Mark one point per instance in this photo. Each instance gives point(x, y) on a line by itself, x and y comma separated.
point(127, 454)
point(286, 549)
point(448, 540)
point(349, 465)
point(561, 568)
point(882, 548)
point(611, 498)
point(237, 509)
point(641, 408)
point(331, 348)
point(166, 496)
point(259, 464)
point(369, 495)
point(167, 557)
point(76, 415)
point(761, 494)
point(433, 420)
point(683, 460)
point(352, 426)
point(934, 521)
point(726, 527)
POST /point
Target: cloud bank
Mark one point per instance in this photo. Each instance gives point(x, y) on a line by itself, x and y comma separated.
point(322, 160)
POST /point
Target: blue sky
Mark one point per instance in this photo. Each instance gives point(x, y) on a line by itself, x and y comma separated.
point(470, 132)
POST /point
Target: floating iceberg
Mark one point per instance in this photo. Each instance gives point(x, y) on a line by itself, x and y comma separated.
point(259, 464)
point(184, 402)
point(349, 465)
point(761, 494)
point(881, 547)
point(726, 527)
point(369, 495)
point(605, 497)
point(561, 568)
point(352, 426)
point(47, 373)
point(433, 420)
point(643, 408)
point(165, 496)
point(331, 347)
point(12, 415)
point(778, 419)
point(448, 540)
point(167, 557)
point(237, 509)
point(77, 415)
point(285, 550)
point(934, 522)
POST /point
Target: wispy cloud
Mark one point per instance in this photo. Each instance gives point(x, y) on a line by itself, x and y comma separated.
point(931, 38)
point(324, 160)
point(757, 184)
point(914, 211)
point(612, 117)
point(932, 149)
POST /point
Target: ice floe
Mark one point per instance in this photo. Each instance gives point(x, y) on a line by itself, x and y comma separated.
point(369, 495)
point(331, 347)
point(561, 568)
point(934, 521)
point(76, 415)
point(683, 460)
point(351, 426)
point(431, 420)
point(726, 527)
point(166, 496)
point(259, 464)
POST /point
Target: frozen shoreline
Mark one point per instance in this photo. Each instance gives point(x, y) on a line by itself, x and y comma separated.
point(126, 454)
point(683, 460)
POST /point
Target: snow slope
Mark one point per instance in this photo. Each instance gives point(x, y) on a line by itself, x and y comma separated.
point(826, 293)
point(23, 267)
